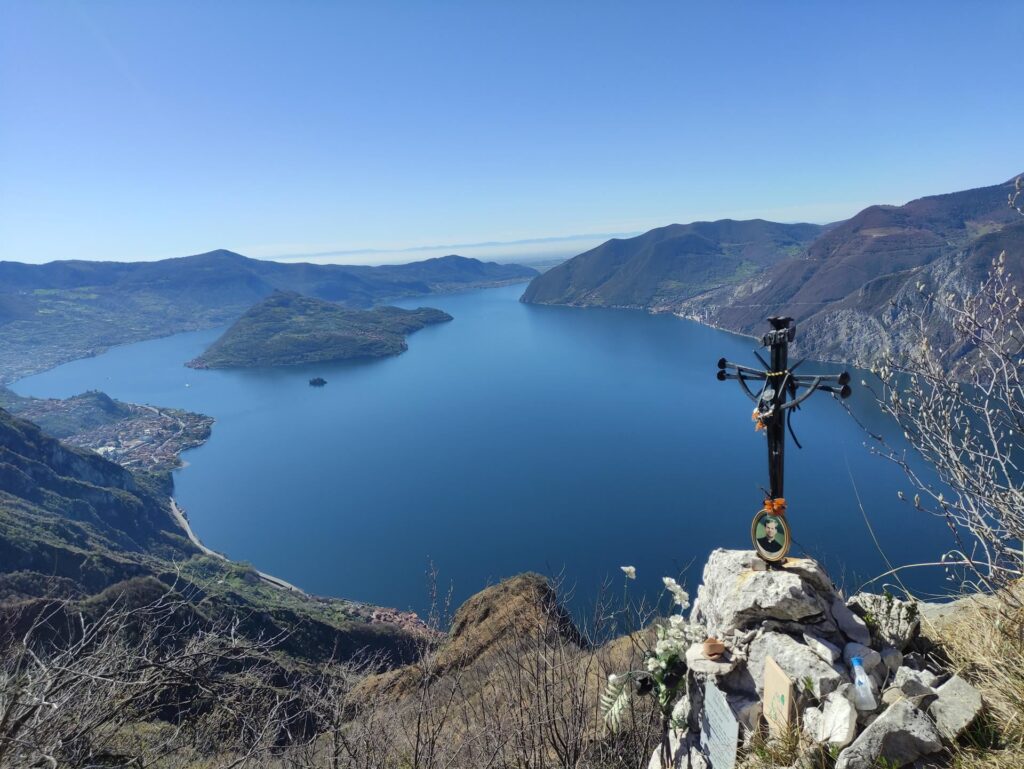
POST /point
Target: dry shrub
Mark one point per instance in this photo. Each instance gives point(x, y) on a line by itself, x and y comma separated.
point(984, 641)
point(516, 685)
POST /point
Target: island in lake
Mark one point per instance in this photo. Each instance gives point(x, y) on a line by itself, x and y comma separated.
point(288, 329)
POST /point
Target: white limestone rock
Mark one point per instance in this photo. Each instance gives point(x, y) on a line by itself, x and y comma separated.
point(925, 677)
point(678, 749)
point(893, 622)
point(838, 723)
point(901, 735)
point(797, 660)
point(810, 722)
point(850, 624)
point(810, 571)
point(868, 656)
point(684, 753)
point(732, 596)
point(957, 706)
point(829, 652)
point(911, 689)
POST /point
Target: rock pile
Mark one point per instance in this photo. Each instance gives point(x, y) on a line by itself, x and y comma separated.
point(795, 615)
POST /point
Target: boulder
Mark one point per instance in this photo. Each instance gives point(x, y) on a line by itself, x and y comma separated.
point(797, 660)
point(850, 624)
point(679, 750)
point(957, 706)
point(685, 753)
point(810, 571)
point(868, 656)
point(892, 622)
point(734, 597)
point(747, 711)
point(925, 677)
point(911, 689)
point(837, 725)
point(810, 722)
point(901, 735)
point(892, 658)
point(829, 652)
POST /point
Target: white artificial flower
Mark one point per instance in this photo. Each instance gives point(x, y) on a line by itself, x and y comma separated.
point(681, 710)
point(613, 679)
point(629, 571)
point(679, 595)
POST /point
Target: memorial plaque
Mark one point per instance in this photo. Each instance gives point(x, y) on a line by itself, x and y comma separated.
point(778, 698)
point(719, 729)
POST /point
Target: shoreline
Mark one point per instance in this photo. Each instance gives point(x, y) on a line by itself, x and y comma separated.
point(182, 520)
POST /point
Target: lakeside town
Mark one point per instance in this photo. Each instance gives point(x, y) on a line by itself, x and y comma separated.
point(136, 436)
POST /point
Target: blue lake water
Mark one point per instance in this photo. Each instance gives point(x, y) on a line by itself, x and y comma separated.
point(514, 438)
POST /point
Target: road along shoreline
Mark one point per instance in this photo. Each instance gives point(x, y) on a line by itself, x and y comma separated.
point(182, 521)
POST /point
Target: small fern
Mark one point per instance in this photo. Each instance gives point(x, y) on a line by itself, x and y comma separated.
point(614, 700)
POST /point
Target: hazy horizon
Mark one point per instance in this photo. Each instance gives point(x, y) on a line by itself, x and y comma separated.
point(136, 131)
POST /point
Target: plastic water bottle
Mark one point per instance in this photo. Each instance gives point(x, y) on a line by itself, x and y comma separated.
point(863, 696)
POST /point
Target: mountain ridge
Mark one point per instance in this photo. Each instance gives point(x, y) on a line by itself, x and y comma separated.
point(63, 310)
point(677, 260)
point(841, 285)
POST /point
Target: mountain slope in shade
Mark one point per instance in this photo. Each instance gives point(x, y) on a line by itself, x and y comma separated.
point(287, 329)
point(670, 263)
point(52, 313)
point(73, 524)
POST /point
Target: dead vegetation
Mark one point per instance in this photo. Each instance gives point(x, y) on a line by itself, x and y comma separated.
point(983, 639)
point(515, 685)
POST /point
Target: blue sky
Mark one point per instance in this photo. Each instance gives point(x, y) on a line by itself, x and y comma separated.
point(142, 130)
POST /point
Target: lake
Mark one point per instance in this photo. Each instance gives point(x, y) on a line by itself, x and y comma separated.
point(558, 440)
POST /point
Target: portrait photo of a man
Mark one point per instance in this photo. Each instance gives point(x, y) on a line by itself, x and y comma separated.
point(770, 536)
point(770, 542)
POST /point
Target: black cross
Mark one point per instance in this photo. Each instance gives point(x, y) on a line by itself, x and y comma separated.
point(780, 394)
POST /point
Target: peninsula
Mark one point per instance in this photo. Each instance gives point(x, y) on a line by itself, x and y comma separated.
point(288, 329)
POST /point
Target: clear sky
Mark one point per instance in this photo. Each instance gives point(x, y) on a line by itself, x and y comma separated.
point(142, 130)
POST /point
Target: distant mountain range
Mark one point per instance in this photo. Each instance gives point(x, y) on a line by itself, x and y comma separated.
point(841, 281)
point(52, 313)
point(287, 329)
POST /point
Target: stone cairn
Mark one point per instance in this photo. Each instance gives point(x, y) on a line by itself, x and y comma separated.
point(795, 615)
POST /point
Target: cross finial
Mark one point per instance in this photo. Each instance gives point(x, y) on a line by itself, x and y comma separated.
point(781, 393)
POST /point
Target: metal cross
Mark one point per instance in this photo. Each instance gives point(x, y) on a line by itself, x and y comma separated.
point(782, 393)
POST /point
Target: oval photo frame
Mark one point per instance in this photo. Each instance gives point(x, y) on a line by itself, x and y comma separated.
point(770, 534)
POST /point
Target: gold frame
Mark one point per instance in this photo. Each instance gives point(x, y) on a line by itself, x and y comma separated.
point(787, 538)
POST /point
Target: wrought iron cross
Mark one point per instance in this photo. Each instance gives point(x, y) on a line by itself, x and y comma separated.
point(780, 395)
